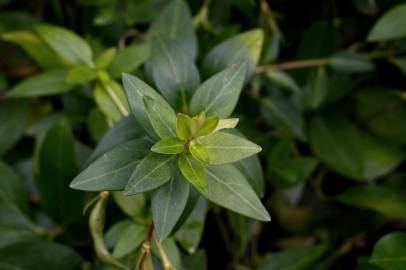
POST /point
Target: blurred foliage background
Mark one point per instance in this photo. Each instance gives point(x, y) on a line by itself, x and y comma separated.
point(326, 103)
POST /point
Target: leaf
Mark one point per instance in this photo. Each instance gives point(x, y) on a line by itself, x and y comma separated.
point(168, 203)
point(106, 58)
point(226, 124)
point(14, 116)
point(130, 239)
point(246, 46)
point(55, 160)
point(350, 62)
point(133, 206)
point(229, 188)
point(252, 170)
point(52, 256)
point(46, 83)
point(105, 93)
point(317, 88)
point(153, 171)
point(173, 70)
point(385, 200)
point(169, 146)
point(97, 124)
point(79, 74)
point(183, 126)
point(67, 44)
point(128, 59)
point(190, 234)
point(210, 124)
point(389, 251)
point(293, 170)
point(35, 47)
point(12, 190)
point(200, 153)
point(162, 118)
point(193, 171)
point(281, 113)
point(125, 130)
point(218, 95)
point(226, 148)
point(283, 80)
point(294, 258)
point(390, 25)
point(175, 23)
point(113, 169)
point(136, 90)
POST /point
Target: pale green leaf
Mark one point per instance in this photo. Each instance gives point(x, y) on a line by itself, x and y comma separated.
point(193, 171)
point(227, 124)
point(390, 26)
point(199, 152)
point(128, 59)
point(209, 126)
point(169, 146)
point(183, 126)
point(105, 59)
point(107, 94)
point(130, 239)
point(80, 74)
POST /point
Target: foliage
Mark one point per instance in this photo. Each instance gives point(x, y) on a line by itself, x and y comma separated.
point(165, 134)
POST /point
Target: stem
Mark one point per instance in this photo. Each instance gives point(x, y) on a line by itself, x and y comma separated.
point(165, 261)
point(293, 65)
point(150, 231)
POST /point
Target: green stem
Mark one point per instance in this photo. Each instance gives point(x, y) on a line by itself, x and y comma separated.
point(121, 107)
point(165, 261)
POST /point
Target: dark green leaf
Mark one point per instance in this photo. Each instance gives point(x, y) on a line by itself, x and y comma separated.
point(12, 190)
point(283, 80)
point(162, 118)
point(133, 206)
point(389, 252)
point(350, 63)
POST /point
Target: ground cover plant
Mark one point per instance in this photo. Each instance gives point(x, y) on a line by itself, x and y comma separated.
point(196, 134)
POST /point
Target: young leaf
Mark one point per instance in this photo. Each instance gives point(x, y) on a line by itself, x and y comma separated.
point(128, 59)
point(193, 171)
point(136, 90)
point(80, 74)
point(173, 71)
point(245, 46)
point(183, 126)
point(230, 189)
point(169, 146)
point(199, 152)
point(226, 124)
point(226, 148)
point(163, 118)
point(113, 169)
point(14, 117)
point(390, 25)
point(153, 171)
point(218, 95)
point(67, 44)
point(46, 83)
point(389, 251)
point(210, 124)
point(105, 59)
point(168, 203)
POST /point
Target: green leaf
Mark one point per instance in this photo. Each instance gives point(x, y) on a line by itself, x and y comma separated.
point(106, 58)
point(281, 112)
point(226, 148)
point(79, 74)
point(350, 62)
point(227, 124)
point(383, 199)
point(162, 118)
point(190, 234)
point(67, 44)
point(14, 116)
point(56, 161)
point(209, 126)
point(169, 146)
point(390, 25)
point(136, 90)
point(218, 95)
point(175, 23)
point(52, 256)
point(46, 83)
point(294, 258)
point(130, 239)
point(229, 188)
point(173, 71)
point(193, 171)
point(183, 126)
point(283, 80)
point(97, 124)
point(104, 93)
point(292, 170)
point(168, 203)
point(133, 206)
point(316, 89)
point(128, 59)
point(246, 46)
point(199, 152)
point(12, 191)
point(153, 171)
point(125, 130)
point(113, 169)
point(389, 251)
point(252, 170)
point(35, 47)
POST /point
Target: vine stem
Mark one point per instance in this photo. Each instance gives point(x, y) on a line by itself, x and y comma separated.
point(293, 65)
